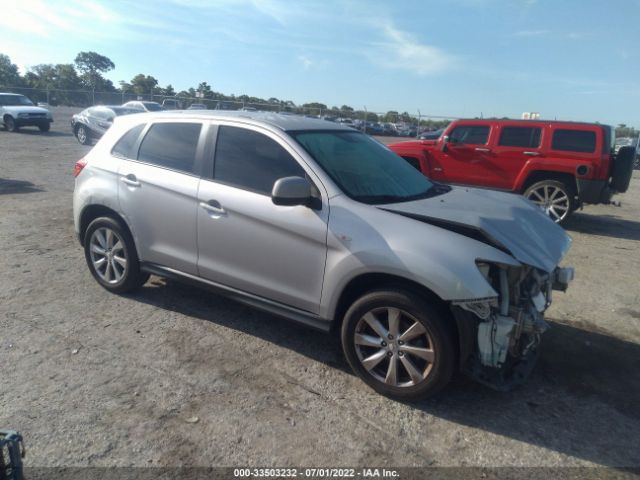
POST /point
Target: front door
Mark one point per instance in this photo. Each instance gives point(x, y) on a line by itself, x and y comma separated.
point(466, 155)
point(247, 242)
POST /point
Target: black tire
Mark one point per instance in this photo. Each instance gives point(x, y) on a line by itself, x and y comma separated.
point(83, 135)
point(132, 277)
point(10, 124)
point(438, 337)
point(44, 127)
point(623, 169)
point(568, 191)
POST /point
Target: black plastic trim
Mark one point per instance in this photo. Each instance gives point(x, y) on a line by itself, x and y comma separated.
point(301, 316)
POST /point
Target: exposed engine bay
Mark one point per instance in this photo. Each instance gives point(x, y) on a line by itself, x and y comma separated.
point(500, 336)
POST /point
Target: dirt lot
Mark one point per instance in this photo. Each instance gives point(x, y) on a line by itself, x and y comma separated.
point(174, 375)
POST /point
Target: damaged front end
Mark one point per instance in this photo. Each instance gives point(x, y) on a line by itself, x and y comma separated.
point(500, 336)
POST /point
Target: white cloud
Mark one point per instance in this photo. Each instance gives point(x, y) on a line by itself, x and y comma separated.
point(401, 50)
point(532, 33)
point(306, 61)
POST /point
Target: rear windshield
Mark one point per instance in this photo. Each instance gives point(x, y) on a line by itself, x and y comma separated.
point(574, 140)
point(152, 106)
point(124, 110)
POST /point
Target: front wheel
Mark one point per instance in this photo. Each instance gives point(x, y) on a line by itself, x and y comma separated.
point(398, 344)
point(10, 124)
point(555, 198)
point(111, 256)
point(44, 127)
point(82, 134)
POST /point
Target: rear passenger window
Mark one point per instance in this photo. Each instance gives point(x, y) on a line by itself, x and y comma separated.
point(251, 160)
point(574, 140)
point(124, 147)
point(171, 145)
point(470, 134)
point(526, 137)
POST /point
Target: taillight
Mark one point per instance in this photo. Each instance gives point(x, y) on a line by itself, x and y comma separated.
point(80, 164)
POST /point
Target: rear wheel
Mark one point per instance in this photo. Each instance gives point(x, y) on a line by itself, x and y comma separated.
point(111, 256)
point(82, 134)
point(10, 124)
point(398, 344)
point(554, 197)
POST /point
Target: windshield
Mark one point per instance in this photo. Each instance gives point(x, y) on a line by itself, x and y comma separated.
point(15, 100)
point(152, 106)
point(363, 168)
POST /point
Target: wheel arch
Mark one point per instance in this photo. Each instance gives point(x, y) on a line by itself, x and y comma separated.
point(539, 175)
point(91, 212)
point(367, 282)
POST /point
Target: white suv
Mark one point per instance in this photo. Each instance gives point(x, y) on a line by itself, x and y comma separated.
point(321, 224)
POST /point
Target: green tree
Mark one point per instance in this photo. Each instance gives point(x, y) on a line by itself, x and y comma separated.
point(205, 89)
point(61, 81)
point(169, 91)
point(91, 65)
point(143, 84)
point(9, 74)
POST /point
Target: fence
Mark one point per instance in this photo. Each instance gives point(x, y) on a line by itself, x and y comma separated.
point(87, 98)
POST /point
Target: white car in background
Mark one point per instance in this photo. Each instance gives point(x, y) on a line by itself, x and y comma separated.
point(145, 106)
point(18, 111)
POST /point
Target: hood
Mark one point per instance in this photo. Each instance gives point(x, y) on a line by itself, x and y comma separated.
point(506, 221)
point(25, 109)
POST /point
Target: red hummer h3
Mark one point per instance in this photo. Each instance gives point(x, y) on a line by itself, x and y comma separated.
point(558, 165)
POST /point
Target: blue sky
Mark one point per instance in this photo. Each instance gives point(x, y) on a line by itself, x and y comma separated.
point(570, 59)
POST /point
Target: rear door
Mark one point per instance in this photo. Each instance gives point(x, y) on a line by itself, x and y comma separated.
point(158, 192)
point(465, 158)
point(517, 144)
point(246, 241)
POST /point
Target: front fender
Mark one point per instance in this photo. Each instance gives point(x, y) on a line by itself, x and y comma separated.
point(364, 240)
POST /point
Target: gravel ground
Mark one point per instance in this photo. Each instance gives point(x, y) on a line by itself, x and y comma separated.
point(177, 376)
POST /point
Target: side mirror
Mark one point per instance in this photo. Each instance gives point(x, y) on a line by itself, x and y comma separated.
point(291, 191)
point(445, 142)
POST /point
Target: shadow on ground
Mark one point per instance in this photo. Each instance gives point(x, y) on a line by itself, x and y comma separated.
point(17, 186)
point(50, 133)
point(585, 379)
point(605, 225)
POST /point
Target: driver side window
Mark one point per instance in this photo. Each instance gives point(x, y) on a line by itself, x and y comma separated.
point(470, 134)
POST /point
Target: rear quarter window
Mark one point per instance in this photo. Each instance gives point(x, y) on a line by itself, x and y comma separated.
point(124, 147)
point(566, 140)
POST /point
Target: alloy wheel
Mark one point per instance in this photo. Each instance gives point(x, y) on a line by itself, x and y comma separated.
point(394, 347)
point(553, 200)
point(82, 135)
point(108, 255)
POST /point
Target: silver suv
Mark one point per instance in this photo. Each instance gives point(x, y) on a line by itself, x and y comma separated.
point(322, 224)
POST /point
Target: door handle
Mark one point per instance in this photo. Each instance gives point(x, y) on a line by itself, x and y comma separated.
point(532, 154)
point(483, 150)
point(213, 207)
point(131, 180)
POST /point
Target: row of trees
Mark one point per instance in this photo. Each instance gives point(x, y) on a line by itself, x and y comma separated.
point(76, 84)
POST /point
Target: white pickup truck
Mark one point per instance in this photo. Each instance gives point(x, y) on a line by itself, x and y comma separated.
point(18, 111)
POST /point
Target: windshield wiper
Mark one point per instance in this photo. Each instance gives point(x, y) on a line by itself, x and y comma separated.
point(433, 191)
